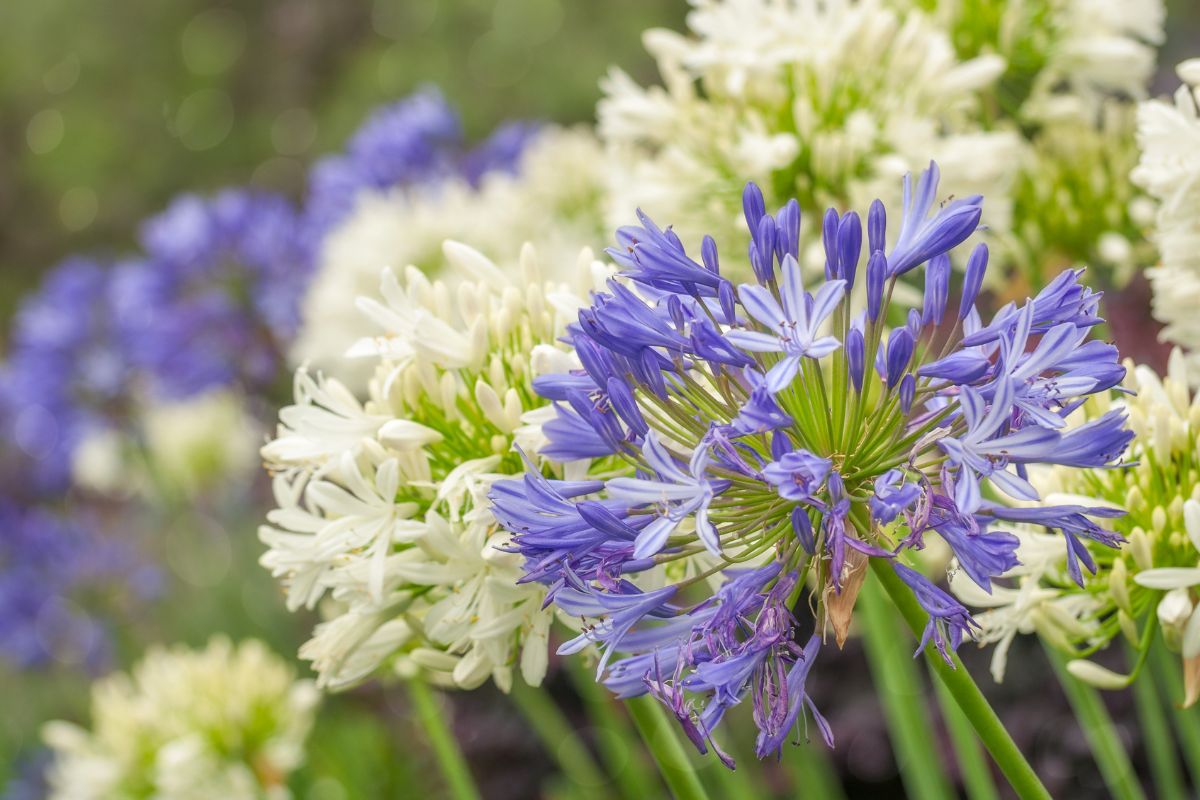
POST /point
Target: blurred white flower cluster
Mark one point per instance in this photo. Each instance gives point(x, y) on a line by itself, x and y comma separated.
point(553, 199)
point(181, 449)
point(828, 101)
point(832, 101)
point(1156, 571)
point(383, 514)
point(1169, 171)
point(228, 721)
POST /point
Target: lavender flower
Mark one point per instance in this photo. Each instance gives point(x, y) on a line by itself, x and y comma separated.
point(412, 141)
point(807, 460)
point(67, 374)
point(215, 300)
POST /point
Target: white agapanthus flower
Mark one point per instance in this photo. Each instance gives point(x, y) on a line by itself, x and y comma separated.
point(1065, 56)
point(1169, 171)
point(228, 721)
point(383, 518)
point(1153, 579)
point(830, 101)
point(554, 199)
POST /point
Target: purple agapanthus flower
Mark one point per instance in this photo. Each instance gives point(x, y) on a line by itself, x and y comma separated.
point(215, 299)
point(68, 372)
point(830, 434)
point(798, 474)
point(415, 142)
point(892, 496)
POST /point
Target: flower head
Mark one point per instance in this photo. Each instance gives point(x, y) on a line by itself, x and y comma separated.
point(382, 505)
point(1169, 171)
point(780, 93)
point(226, 721)
point(795, 499)
point(215, 300)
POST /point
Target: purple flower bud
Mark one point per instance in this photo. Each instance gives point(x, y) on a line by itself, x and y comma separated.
point(876, 275)
point(962, 366)
point(802, 526)
point(753, 206)
point(876, 227)
point(764, 243)
point(675, 309)
point(937, 289)
point(788, 222)
point(976, 267)
point(594, 358)
point(899, 351)
point(908, 391)
point(781, 445)
point(621, 397)
point(652, 373)
point(829, 229)
point(914, 323)
point(708, 254)
point(856, 357)
point(726, 297)
point(849, 245)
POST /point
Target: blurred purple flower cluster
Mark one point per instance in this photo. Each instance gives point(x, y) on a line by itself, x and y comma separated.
point(211, 301)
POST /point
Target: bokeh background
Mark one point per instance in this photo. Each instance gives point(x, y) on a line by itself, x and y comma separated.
point(108, 108)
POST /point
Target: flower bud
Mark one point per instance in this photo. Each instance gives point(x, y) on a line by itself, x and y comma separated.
point(855, 357)
point(876, 227)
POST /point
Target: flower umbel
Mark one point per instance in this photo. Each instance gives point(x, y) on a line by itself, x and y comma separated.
point(783, 439)
point(382, 511)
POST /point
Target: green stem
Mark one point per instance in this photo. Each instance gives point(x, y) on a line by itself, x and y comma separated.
point(1107, 750)
point(672, 760)
point(1160, 747)
point(976, 774)
point(811, 773)
point(559, 739)
point(1186, 721)
point(445, 749)
point(962, 687)
point(626, 765)
point(899, 689)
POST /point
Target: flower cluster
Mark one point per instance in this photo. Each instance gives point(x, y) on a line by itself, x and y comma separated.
point(1169, 171)
point(778, 91)
point(215, 299)
point(67, 372)
point(782, 441)
point(227, 721)
point(416, 141)
point(1152, 581)
point(383, 508)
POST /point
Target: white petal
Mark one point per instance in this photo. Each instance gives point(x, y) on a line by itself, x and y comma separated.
point(1168, 577)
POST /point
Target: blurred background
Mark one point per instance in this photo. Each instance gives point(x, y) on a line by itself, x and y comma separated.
point(108, 108)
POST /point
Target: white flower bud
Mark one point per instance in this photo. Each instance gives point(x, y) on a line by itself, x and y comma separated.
point(404, 435)
point(1092, 673)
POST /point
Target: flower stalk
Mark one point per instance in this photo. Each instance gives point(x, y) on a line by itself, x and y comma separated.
point(962, 687)
point(449, 757)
